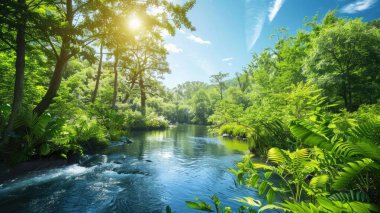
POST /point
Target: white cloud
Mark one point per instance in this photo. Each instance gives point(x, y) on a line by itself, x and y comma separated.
point(357, 6)
point(255, 16)
point(273, 10)
point(227, 59)
point(198, 40)
point(172, 48)
point(230, 64)
point(182, 31)
point(256, 31)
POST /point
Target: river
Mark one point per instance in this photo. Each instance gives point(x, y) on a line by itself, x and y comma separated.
point(159, 168)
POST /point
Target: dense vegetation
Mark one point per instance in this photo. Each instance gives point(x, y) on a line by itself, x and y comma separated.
point(76, 74)
point(310, 107)
point(73, 77)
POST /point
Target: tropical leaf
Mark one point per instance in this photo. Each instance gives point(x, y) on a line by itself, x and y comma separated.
point(249, 201)
point(202, 206)
point(351, 171)
point(308, 136)
point(350, 196)
point(369, 129)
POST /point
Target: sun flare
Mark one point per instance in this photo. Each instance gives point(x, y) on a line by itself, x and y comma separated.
point(134, 23)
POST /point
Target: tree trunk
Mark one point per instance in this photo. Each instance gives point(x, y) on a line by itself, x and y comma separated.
point(126, 97)
point(115, 79)
point(55, 82)
point(344, 94)
point(142, 94)
point(350, 108)
point(20, 72)
point(60, 65)
point(127, 93)
point(221, 92)
point(98, 75)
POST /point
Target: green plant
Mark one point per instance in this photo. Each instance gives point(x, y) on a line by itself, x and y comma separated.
point(217, 207)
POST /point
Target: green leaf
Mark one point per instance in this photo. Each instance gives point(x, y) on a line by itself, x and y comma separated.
point(267, 175)
point(249, 201)
point(270, 206)
point(276, 156)
point(202, 206)
point(270, 196)
point(255, 180)
point(351, 171)
point(319, 181)
point(263, 187)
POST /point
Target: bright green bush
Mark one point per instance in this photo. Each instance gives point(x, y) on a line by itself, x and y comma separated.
point(150, 122)
point(236, 130)
point(89, 134)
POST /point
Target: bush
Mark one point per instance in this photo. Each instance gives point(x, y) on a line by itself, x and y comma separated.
point(89, 134)
point(237, 130)
point(150, 122)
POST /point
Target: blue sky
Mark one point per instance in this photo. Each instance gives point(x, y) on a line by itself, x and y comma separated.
point(229, 31)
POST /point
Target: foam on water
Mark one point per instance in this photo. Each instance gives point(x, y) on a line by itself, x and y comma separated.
point(67, 172)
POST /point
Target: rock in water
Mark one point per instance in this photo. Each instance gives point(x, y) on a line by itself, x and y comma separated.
point(126, 140)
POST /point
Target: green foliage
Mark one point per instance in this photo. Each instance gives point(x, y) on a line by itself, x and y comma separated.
point(89, 134)
point(150, 122)
point(205, 207)
point(235, 130)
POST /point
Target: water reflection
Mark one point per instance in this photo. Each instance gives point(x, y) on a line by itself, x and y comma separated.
point(160, 168)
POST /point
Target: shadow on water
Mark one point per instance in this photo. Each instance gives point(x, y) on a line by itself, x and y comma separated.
point(160, 168)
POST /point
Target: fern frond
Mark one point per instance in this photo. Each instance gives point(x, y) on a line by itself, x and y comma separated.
point(369, 129)
point(319, 181)
point(349, 197)
point(351, 171)
point(345, 149)
point(300, 154)
point(276, 156)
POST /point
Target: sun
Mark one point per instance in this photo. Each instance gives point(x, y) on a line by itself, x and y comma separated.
point(134, 23)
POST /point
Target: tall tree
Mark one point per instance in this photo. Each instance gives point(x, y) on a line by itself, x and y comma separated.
point(18, 10)
point(149, 56)
point(99, 72)
point(219, 79)
point(72, 39)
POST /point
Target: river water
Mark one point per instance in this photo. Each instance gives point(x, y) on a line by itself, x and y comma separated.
point(160, 168)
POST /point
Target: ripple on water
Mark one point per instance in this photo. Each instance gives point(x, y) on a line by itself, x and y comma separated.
point(181, 165)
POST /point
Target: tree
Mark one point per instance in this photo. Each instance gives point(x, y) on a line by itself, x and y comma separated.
point(19, 11)
point(151, 56)
point(73, 39)
point(201, 107)
point(219, 80)
point(345, 60)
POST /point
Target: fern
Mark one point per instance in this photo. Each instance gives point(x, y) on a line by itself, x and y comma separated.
point(369, 130)
point(319, 181)
point(351, 171)
point(276, 156)
point(349, 197)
